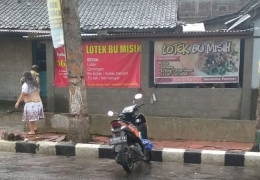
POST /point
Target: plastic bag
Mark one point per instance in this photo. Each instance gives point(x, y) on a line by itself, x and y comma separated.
point(147, 144)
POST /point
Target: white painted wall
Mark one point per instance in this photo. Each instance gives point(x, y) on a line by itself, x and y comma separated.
point(256, 56)
point(15, 58)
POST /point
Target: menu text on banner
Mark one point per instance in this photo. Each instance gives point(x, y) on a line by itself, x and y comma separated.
point(61, 74)
point(196, 61)
point(106, 64)
point(112, 64)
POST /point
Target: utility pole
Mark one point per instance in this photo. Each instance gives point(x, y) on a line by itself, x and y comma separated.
point(79, 129)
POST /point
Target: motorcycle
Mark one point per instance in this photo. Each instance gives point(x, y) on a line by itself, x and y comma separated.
point(130, 140)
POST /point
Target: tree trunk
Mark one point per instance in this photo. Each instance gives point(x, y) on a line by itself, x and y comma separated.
point(79, 130)
point(256, 145)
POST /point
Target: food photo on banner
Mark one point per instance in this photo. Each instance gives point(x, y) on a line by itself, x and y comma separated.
point(196, 61)
point(106, 65)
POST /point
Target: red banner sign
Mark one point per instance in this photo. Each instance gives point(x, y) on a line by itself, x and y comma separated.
point(106, 65)
point(112, 64)
point(61, 75)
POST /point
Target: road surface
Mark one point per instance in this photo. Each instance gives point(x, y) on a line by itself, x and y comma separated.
point(40, 167)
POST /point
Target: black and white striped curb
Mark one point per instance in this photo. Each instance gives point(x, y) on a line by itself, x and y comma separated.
point(212, 157)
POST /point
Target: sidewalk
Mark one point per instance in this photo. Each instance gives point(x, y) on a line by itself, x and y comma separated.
point(16, 126)
point(189, 144)
point(178, 151)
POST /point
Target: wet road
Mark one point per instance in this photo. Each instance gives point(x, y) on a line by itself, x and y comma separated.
point(40, 167)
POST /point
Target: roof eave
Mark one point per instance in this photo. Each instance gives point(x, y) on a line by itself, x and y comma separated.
point(159, 35)
point(137, 29)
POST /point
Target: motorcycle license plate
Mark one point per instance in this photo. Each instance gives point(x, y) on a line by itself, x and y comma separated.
point(117, 140)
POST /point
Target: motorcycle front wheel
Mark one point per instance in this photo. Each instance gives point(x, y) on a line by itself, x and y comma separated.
point(125, 160)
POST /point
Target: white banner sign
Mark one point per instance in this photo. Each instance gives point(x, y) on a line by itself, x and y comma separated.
point(55, 19)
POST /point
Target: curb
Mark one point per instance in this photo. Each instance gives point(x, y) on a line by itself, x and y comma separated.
point(96, 151)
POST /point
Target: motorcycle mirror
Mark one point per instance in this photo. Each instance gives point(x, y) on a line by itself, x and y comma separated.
point(138, 96)
point(110, 113)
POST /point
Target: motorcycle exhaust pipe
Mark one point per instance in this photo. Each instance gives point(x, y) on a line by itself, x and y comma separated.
point(137, 151)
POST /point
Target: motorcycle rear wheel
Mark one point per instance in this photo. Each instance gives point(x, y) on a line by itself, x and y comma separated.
point(125, 161)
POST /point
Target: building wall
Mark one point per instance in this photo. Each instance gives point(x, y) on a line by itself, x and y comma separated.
point(255, 83)
point(196, 10)
point(251, 69)
point(171, 102)
point(15, 58)
point(255, 73)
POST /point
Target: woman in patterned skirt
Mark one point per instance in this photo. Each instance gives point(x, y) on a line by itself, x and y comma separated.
point(33, 109)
